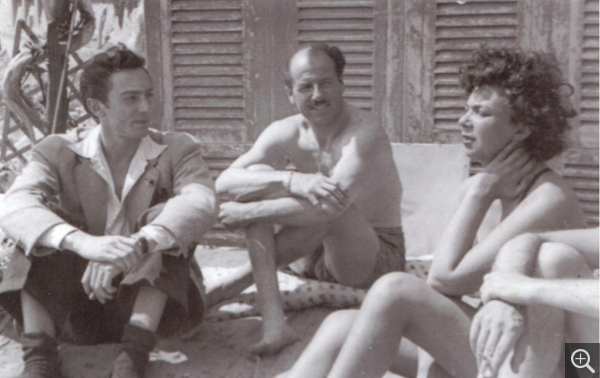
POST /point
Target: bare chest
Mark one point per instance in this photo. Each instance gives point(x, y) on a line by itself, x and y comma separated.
point(310, 158)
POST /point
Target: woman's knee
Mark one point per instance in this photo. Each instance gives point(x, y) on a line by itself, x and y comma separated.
point(556, 260)
point(397, 287)
point(337, 325)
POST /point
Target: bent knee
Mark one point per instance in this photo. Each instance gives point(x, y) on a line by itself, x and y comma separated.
point(340, 318)
point(398, 286)
point(557, 260)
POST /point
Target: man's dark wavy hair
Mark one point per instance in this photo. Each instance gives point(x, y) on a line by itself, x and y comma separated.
point(96, 72)
point(536, 90)
point(333, 52)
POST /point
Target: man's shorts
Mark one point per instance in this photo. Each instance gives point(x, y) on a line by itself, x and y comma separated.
point(391, 257)
point(54, 280)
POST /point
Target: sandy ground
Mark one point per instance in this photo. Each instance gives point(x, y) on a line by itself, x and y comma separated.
point(215, 349)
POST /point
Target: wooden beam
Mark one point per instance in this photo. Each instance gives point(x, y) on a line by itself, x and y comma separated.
point(271, 29)
point(154, 59)
point(394, 104)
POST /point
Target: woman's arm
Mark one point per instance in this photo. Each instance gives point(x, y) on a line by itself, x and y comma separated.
point(502, 178)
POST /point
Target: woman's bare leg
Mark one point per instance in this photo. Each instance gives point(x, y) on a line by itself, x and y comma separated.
point(401, 305)
point(320, 354)
point(541, 348)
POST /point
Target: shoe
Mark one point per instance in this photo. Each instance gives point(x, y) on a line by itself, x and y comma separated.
point(40, 355)
point(136, 345)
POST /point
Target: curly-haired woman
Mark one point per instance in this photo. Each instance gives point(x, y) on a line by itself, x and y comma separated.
point(515, 119)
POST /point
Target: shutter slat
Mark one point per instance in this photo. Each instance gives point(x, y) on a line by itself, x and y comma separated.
point(197, 59)
point(487, 21)
point(212, 38)
point(210, 113)
point(335, 14)
point(208, 70)
point(232, 81)
point(208, 123)
point(218, 26)
point(203, 16)
point(476, 9)
point(208, 92)
point(219, 102)
point(334, 4)
point(223, 48)
point(188, 5)
point(316, 25)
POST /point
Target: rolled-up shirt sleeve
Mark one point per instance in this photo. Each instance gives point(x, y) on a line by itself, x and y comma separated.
point(54, 236)
point(165, 240)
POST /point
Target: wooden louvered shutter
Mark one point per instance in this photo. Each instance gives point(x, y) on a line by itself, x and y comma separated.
point(208, 69)
point(588, 128)
point(460, 29)
point(580, 163)
point(351, 25)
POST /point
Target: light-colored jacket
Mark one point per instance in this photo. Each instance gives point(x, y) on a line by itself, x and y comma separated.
point(56, 174)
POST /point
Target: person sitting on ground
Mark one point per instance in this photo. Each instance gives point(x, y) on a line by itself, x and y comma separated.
point(537, 274)
point(340, 206)
point(515, 119)
point(106, 221)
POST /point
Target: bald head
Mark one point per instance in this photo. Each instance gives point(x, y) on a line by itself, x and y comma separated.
point(309, 54)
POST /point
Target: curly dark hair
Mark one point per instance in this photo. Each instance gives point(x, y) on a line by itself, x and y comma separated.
point(537, 93)
point(333, 52)
point(96, 72)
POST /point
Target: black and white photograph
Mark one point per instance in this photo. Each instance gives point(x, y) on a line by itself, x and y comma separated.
point(299, 189)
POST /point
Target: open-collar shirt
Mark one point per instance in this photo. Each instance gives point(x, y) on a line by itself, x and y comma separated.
point(116, 220)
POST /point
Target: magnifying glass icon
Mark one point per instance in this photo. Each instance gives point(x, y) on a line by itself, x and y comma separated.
point(578, 355)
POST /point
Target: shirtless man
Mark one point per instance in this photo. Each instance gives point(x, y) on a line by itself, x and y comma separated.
point(342, 199)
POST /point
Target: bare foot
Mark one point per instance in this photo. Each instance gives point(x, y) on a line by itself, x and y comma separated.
point(273, 342)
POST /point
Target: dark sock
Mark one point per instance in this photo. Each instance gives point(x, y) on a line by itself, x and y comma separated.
point(136, 345)
point(40, 355)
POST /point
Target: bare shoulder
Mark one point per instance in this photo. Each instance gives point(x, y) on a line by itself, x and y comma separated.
point(283, 130)
point(367, 131)
point(553, 196)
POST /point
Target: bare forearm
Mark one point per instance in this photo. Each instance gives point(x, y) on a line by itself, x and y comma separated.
point(576, 295)
point(286, 211)
point(457, 241)
point(243, 185)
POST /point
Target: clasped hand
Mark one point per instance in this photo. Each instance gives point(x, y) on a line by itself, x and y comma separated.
point(97, 280)
point(508, 174)
point(123, 252)
point(504, 286)
point(495, 331)
point(108, 257)
point(321, 191)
